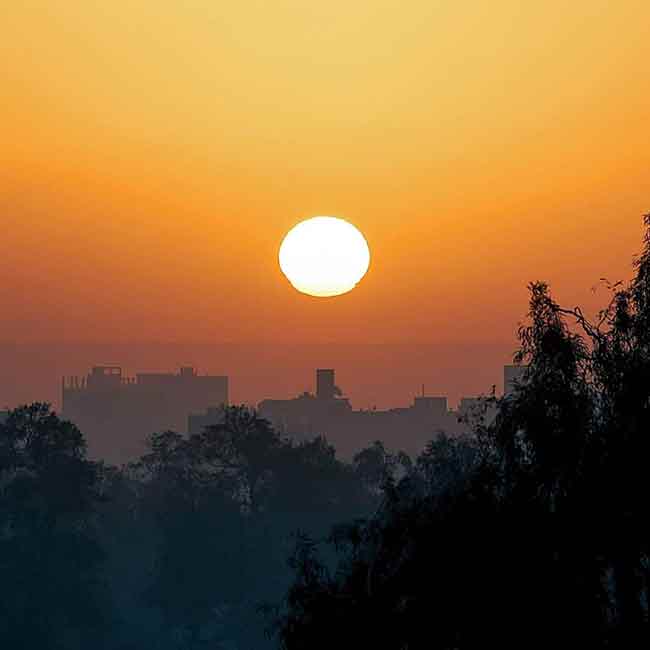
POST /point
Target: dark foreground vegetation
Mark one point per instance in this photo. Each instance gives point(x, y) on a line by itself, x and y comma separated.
point(533, 532)
point(180, 549)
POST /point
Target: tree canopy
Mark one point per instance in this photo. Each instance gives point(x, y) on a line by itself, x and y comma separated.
point(530, 533)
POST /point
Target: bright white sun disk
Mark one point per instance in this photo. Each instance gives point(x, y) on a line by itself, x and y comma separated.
point(324, 256)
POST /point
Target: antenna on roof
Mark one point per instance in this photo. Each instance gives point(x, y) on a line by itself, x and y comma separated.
point(422, 390)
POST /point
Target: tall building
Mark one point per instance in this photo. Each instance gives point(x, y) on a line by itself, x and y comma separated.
point(116, 412)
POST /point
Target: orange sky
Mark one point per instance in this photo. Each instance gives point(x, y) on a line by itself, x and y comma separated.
point(153, 154)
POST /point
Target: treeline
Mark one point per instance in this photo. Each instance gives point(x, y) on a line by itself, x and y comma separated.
point(530, 533)
point(184, 548)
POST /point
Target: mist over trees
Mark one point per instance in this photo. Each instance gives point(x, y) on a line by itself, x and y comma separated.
point(530, 532)
point(183, 548)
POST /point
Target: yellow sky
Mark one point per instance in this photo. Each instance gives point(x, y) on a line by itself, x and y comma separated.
point(154, 153)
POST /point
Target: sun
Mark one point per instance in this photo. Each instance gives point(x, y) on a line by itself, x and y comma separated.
point(324, 256)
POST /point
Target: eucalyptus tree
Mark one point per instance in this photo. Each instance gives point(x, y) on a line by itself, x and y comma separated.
point(533, 531)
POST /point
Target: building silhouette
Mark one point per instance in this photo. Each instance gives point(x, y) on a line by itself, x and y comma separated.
point(197, 422)
point(330, 414)
point(116, 412)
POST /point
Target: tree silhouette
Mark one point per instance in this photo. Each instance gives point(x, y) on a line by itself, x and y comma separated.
point(221, 509)
point(533, 532)
point(52, 592)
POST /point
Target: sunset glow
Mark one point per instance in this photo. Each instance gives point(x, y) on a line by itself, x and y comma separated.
point(162, 150)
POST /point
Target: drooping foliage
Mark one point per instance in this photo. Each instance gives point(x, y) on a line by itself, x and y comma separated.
point(531, 533)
